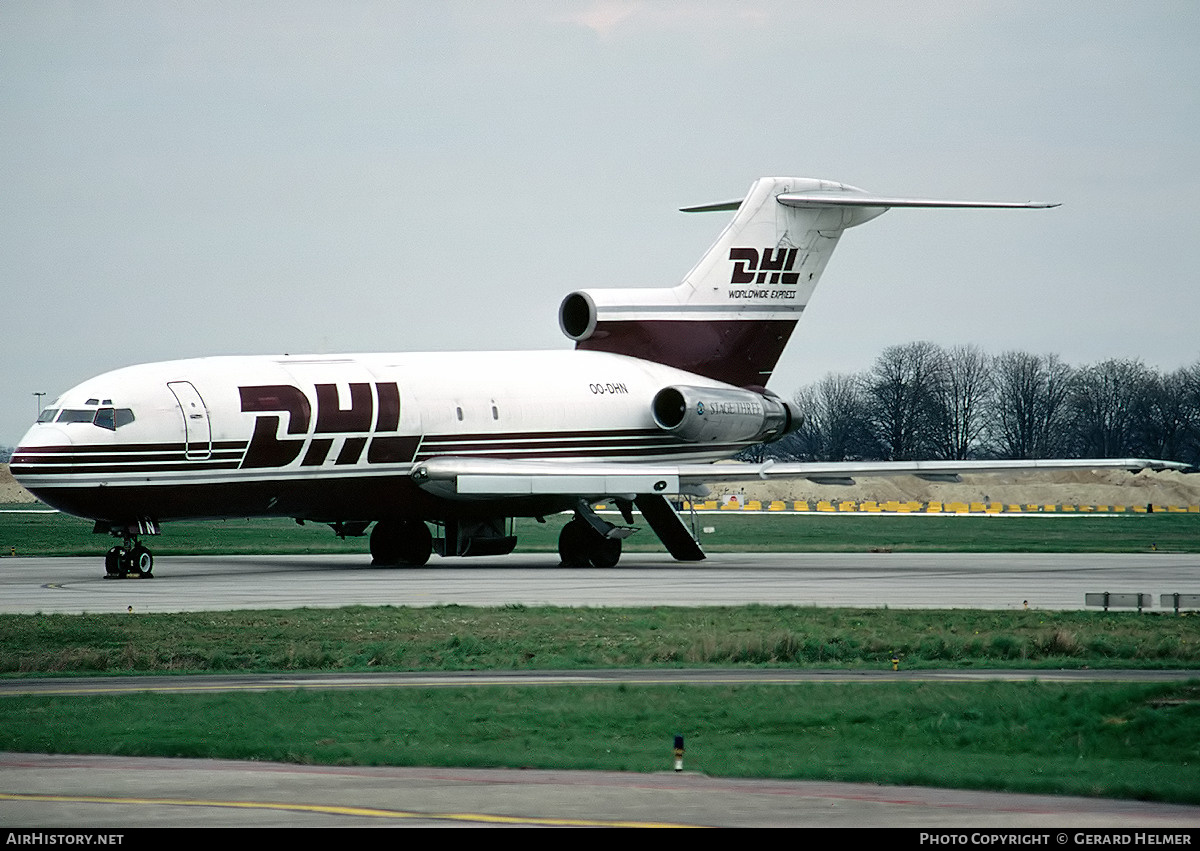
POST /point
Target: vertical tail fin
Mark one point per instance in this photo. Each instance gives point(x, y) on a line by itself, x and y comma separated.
point(733, 313)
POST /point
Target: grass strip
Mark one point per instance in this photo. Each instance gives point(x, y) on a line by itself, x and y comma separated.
point(450, 638)
point(1121, 741)
point(29, 533)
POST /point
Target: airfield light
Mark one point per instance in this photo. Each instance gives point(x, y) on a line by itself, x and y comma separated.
point(39, 402)
point(678, 752)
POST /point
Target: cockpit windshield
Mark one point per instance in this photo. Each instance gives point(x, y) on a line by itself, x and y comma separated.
point(107, 418)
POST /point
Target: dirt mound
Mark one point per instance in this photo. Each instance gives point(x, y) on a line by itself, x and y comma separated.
point(10, 491)
point(1068, 487)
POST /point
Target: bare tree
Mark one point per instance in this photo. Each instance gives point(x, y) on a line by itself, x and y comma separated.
point(1105, 401)
point(1169, 414)
point(836, 423)
point(1029, 411)
point(963, 394)
point(902, 390)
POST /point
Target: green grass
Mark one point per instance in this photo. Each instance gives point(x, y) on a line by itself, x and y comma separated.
point(1123, 741)
point(468, 638)
point(34, 534)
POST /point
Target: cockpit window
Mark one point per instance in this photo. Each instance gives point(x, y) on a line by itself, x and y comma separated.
point(109, 418)
point(113, 418)
point(48, 415)
point(70, 416)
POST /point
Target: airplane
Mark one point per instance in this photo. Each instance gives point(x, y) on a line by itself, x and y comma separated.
point(661, 383)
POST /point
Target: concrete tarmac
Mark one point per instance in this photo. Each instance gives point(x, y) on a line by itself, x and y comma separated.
point(897, 580)
point(119, 793)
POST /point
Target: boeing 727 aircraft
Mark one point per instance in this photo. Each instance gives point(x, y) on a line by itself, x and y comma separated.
point(661, 383)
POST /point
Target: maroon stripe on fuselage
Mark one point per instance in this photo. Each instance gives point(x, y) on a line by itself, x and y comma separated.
point(318, 499)
point(66, 470)
point(741, 352)
point(121, 447)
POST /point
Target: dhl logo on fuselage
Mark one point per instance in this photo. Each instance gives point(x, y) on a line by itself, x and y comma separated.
point(356, 425)
point(770, 266)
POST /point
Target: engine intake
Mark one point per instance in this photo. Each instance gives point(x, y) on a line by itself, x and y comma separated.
point(715, 414)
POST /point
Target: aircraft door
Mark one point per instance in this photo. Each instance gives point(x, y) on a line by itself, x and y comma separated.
point(197, 429)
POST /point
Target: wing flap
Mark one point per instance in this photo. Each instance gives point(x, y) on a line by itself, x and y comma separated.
point(475, 478)
point(564, 482)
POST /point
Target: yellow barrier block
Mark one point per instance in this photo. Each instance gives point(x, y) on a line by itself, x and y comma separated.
point(754, 505)
point(1050, 508)
point(847, 505)
point(1014, 507)
point(1193, 509)
point(869, 505)
point(824, 505)
point(957, 507)
point(1032, 507)
point(1178, 509)
point(1068, 508)
point(1119, 508)
point(934, 508)
point(777, 505)
point(801, 505)
point(1139, 509)
point(994, 508)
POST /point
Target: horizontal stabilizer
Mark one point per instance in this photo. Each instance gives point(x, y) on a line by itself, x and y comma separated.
point(854, 199)
point(719, 207)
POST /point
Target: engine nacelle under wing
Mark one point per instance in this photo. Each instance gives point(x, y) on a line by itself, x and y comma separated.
point(726, 415)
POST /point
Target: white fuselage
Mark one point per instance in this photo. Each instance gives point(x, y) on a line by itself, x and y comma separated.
point(334, 437)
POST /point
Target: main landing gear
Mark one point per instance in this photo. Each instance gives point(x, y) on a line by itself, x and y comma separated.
point(590, 541)
point(401, 543)
point(579, 545)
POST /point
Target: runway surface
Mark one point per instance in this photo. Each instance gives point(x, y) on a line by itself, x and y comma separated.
point(111, 792)
point(897, 580)
point(60, 791)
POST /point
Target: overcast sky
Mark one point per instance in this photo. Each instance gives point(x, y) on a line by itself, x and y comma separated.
point(190, 178)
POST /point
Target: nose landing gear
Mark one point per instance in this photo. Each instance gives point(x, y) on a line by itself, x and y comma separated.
point(132, 558)
point(122, 561)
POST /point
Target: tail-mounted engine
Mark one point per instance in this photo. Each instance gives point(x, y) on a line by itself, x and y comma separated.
point(715, 414)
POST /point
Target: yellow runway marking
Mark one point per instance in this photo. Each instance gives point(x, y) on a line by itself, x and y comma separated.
point(369, 812)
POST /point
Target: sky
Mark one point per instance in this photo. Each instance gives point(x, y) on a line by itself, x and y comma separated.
point(194, 178)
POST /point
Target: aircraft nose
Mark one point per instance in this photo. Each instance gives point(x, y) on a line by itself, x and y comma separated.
point(41, 447)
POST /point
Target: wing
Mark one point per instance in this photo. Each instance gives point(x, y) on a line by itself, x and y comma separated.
point(480, 478)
